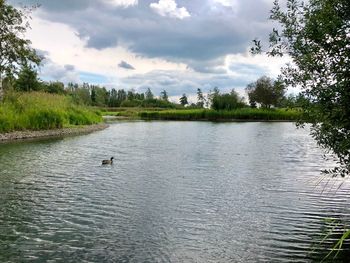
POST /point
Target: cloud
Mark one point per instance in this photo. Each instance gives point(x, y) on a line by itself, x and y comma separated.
point(69, 67)
point(227, 3)
point(123, 3)
point(84, 39)
point(51, 71)
point(169, 8)
point(179, 82)
point(75, 5)
point(209, 34)
point(125, 65)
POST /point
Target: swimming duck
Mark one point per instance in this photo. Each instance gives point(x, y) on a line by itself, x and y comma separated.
point(108, 161)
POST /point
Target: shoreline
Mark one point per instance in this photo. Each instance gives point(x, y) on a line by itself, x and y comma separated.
point(218, 120)
point(44, 134)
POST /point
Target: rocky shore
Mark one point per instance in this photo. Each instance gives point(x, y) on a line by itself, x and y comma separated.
point(24, 135)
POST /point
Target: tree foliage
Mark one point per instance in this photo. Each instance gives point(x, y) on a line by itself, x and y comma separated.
point(183, 100)
point(227, 101)
point(266, 92)
point(316, 35)
point(200, 98)
point(27, 79)
point(15, 50)
point(148, 94)
point(164, 95)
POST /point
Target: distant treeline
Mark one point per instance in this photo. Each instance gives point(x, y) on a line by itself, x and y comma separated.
point(264, 93)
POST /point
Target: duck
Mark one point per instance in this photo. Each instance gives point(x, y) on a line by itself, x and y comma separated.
point(108, 161)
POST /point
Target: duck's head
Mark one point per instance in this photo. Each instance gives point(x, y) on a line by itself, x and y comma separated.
point(112, 158)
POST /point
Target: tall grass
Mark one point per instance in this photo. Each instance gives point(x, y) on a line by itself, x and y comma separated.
point(41, 111)
point(213, 115)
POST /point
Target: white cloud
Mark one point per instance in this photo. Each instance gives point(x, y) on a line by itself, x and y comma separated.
point(270, 65)
point(123, 3)
point(227, 3)
point(169, 8)
point(64, 47)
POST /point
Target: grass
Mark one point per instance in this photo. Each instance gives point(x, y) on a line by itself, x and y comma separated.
point(43, 111)
point(132, 113)
point(212, 115)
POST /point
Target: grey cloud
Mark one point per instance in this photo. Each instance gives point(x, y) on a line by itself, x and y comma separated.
point(248, 69)
point(179, 82)
point(69, 67)
point(208, 34)
point(42, 53)
point(70, 6)
point(214, 66)
point(51, 71)
point(125, 65)
point(201, 41)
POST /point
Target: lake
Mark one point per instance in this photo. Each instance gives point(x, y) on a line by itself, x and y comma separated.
point(177, 192)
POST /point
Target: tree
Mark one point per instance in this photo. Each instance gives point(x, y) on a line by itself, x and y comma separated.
point(99, 96)
point(227, 101)
point(164, 95)
point(131, 94)
point(148, 94)
point(28, 79)
point(266, 92)
point(200, 98)
point(211, 95)
point(183, 100)
point(316, 35)
point(55, 87)
point(15, 50)
point(113, 99)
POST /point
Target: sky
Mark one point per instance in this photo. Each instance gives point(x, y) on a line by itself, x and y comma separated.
point(176, 45)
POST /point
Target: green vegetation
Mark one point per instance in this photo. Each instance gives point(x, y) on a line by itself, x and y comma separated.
point(16, 52)
point(227, 101)
point(37, 111)
point(222, 115)
point(266, 92)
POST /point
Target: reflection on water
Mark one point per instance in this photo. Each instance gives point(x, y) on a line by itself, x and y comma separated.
point(177, 192)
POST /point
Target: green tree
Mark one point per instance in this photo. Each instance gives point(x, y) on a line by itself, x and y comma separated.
point(83, 95)
point(101, 96)
point(113, 99)
point(227, 101)
point(316, 35)
point(55, 87)
point(148, 94)
point(121, 95)
point(200, 98)
point(164, 95)
point(211, 95)
point(15, 50)
point(28, 79)
point(93, 96)
point(183, 100)
point(266, 92)
point(131, 94)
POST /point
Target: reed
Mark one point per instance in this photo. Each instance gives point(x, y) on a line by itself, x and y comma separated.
point(42, 111)
point(213, 115)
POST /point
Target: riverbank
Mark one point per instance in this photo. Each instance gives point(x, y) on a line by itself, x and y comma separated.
point(40, 134)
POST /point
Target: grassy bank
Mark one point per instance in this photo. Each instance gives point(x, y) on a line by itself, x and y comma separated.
point(212, 115)
point(43, 111)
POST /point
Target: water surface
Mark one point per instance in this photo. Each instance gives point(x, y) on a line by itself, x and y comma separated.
point(177, 192)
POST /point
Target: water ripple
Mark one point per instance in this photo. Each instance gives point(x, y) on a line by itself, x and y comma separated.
point(178, 192)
